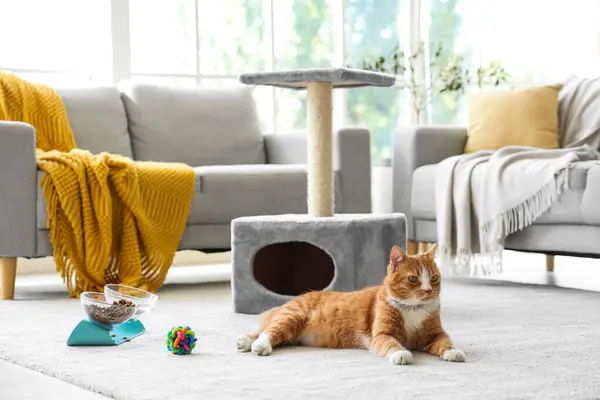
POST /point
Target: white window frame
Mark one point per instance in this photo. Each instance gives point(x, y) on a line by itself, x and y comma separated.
point(413, 24)
point(122, 62)
point(122, 66)
point(121, 52)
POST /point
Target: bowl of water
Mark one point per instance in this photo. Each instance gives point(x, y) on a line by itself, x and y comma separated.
point(144, 301)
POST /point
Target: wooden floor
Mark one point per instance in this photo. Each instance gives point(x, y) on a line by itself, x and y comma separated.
point(19, 383)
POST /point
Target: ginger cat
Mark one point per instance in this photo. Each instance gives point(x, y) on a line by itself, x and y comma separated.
point(402, 314)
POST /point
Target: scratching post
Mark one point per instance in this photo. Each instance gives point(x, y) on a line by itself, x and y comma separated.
point(277, 257)
point(320, 149)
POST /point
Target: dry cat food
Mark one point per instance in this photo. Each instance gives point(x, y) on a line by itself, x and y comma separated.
point(118, 313)
point(124, 303)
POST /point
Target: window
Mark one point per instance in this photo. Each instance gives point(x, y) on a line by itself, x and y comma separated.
point(163, 37)
point(190, 42)
point(303, 38)
point(213, 42)
point(562, 40)
point(371, 30)
point(62, 42)
point(233, 36)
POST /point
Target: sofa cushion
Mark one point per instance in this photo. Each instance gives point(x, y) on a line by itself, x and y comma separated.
point(234, 191)
point(568, 210)
point(515, 117)
point(197, 126)
point(223, 193)
point(97, 117)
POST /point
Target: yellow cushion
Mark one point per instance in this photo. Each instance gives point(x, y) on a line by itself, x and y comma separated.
point(519, 117)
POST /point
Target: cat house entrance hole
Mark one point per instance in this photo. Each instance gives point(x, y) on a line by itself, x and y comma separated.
point(293, 268)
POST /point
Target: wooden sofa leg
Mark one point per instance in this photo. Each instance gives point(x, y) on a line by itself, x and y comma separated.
point(549, 262)
point(8, 274)
point(412, 247)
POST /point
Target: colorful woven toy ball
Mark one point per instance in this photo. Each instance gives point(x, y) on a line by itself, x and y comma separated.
point(181, 340)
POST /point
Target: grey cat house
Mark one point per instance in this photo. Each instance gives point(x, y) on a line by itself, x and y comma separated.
point(278, 257)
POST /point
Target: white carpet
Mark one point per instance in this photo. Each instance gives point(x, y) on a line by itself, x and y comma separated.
point(522, 342)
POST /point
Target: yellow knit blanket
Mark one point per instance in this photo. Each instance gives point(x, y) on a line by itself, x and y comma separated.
point(111, 219)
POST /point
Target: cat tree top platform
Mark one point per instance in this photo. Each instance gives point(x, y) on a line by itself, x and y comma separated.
point(300, 78)
point(319, 83)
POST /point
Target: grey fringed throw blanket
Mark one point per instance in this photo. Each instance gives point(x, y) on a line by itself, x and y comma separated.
point(516, 185)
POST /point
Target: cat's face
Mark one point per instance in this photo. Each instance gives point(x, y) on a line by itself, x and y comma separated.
point(414, 279)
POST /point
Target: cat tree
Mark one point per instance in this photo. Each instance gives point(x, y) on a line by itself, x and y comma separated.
point(277, 257)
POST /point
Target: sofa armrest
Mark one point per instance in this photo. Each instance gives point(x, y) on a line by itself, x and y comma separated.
point(351, 158)
point(415, 147)
point(18, 190)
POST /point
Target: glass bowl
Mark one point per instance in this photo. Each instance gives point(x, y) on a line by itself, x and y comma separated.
point(144, 300)
point(103, 312)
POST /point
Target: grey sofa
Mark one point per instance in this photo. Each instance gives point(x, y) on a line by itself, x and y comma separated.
point(570, 227)
point(240, 171)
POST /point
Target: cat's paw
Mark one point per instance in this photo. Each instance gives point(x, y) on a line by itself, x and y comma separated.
point(454, 355)
point(244, 343)
point(401, 357)
point(262, 346)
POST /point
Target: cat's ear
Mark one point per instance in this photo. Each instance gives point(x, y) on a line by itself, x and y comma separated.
point(431, 252)
point(397, 255)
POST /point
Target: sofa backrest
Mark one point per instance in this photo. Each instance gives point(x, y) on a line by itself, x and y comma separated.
point(197, 126)
point(98, 119)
